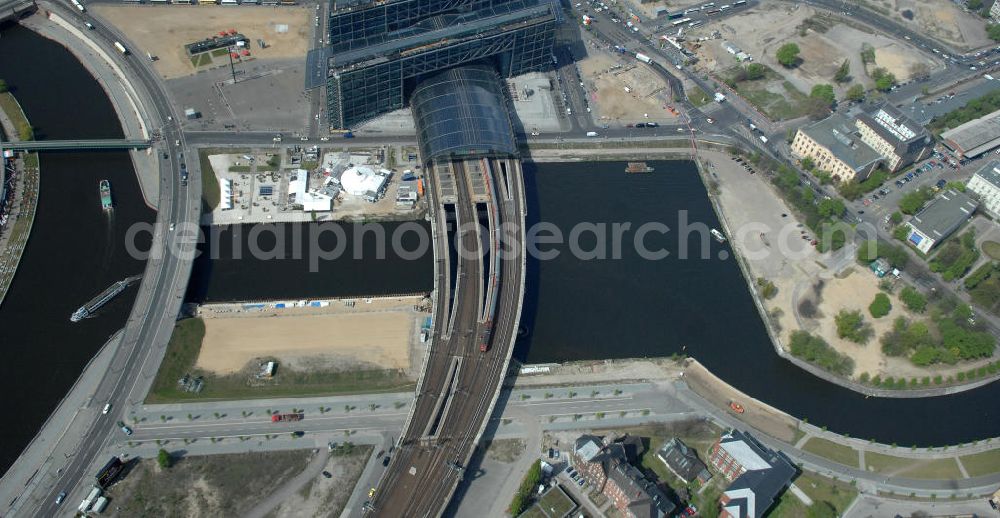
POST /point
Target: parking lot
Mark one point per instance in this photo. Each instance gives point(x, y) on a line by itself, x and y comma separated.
point(940, 167)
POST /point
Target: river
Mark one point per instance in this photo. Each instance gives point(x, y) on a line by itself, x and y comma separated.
point(75, 249)
point(574, 309)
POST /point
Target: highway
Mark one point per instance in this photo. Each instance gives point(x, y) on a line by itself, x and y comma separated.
point(157, 304)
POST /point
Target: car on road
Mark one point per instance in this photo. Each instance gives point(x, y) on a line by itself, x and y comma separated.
point(551, 452)
point(385, 461)
point(125, 429)
point(327, 474)
point(325, 139)
point(61, 497)
point(580, 482)
point(371, 493)
point(710, 120)
point(106, 409)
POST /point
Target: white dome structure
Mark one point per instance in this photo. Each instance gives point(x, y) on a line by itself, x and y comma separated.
point(362, 181)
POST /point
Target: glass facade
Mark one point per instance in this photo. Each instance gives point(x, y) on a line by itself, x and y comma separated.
point(375, 76)
point(463, 112)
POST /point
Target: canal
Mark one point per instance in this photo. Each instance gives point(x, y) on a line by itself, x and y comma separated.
point(75, 249)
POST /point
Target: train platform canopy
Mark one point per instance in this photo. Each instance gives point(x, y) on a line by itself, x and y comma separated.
point(462, 112)
point(975, 137)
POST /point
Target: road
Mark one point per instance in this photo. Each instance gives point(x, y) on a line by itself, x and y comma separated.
point(164, 280)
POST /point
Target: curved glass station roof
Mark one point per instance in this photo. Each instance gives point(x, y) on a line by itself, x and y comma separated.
point(462, 112)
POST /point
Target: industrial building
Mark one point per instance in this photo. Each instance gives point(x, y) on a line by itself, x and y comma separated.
point(758, 475)
point(899, 140)
point(986, 186)
point(836, 146)
point(975, 137)
point(938, 220)
point(381, 51)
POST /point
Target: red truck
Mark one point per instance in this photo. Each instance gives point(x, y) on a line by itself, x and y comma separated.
point(279, 418)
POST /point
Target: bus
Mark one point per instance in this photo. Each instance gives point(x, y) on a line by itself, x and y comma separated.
point(682, 21)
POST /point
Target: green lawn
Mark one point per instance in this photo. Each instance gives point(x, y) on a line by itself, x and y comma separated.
point(200, 60)
point(182, 352)
point(819, 488)
point(984, 463)
point(935, 469)
point(912, 468)
point(698, 97)
point(10, 106)
point(836, 452)
point(786, 105)
point(210, 190)
point(219, 52)
point(992, 249)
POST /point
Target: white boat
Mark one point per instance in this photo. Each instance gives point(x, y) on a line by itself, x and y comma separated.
point(719, 236)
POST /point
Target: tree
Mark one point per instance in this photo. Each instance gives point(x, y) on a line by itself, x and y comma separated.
point(815, 350)
point(767, 288)
point(808, 163)
point(755, 71)
point(881, 306)
point(3, 86)
point(913, 201)
point(844, 72)
point(920, 71)
point(993, 30)
point(830, 208)
point(855, 93)
point(824, 93)
point(896, 218)
point(974, 5)
point(788, 55)
point(867, 54)
point(884, 80)
point(913, 299)
point(851, 325)
point(164, 459)
point(821, 509)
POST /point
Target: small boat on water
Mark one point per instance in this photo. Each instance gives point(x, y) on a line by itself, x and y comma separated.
point(719, 236)
point(638, 167)
point(105, 190)
point(738, 408)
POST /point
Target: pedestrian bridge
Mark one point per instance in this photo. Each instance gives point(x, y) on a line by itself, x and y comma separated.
point(49, 145)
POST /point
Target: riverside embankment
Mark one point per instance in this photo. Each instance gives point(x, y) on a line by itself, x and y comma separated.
point(20, 192)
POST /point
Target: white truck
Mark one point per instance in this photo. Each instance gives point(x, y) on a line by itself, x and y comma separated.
point(644, 58)
point(121, 48)
point(91, 497)
point(591, 133)
point(719, 97)
point(763, 139)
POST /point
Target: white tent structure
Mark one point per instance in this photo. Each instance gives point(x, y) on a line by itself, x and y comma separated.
point(363, 181)
point(311, 201)
point(226, 188)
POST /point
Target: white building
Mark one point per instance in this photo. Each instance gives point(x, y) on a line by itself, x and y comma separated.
point(995, 10)
point(226, 191)
point(365, 182)
point(986, 185)
point(939, 219)
point(299, 194)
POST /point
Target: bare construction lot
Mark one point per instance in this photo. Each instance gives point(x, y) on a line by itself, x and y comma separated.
point(939, 19)
point(825, 42)
point(164, 30)
point(379, 334)
point(204, 486)
point(622, 90)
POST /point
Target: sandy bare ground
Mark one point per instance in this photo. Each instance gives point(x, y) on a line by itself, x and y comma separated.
point(304, 341)
point(763, 417)
point(164, 30)
point(855, 291)
point(606, 77)
point(939, 19)
point(762, 30)
point(327, 496)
